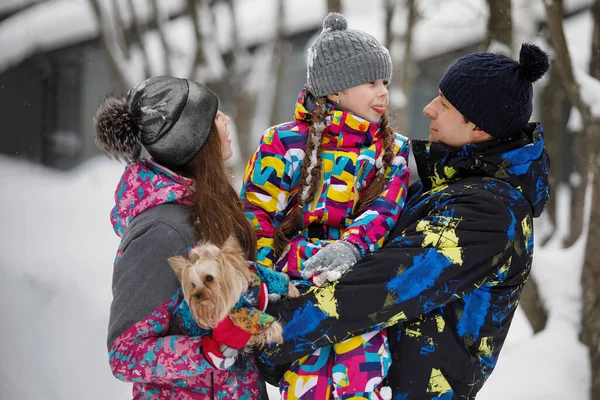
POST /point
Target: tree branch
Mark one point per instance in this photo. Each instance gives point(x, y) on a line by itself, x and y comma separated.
point(159, 19)
point(556, 36)
point(109, 44)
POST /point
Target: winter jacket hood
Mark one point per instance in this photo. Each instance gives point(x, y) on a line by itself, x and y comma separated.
point(345, 129)
point(143, 185)
point(523, 162)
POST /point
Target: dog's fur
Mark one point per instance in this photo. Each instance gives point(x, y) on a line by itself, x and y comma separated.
point(213, 280)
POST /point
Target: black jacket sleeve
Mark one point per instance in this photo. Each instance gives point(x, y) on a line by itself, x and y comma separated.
point(461, 243)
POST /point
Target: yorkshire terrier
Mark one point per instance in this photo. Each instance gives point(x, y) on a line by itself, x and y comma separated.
point(217, 282)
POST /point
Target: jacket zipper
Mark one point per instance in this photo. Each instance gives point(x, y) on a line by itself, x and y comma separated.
point(212, 385)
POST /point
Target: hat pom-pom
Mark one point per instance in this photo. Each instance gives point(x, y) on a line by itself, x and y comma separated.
point(335, 22)
point(116, 131)
point(533, 61)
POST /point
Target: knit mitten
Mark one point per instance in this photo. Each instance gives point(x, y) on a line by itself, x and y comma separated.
point(331, 262)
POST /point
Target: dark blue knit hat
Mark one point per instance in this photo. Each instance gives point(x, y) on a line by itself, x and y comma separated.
point(493, 91)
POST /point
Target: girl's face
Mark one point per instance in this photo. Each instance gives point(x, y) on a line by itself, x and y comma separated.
point(368, 100)
point(221, 122)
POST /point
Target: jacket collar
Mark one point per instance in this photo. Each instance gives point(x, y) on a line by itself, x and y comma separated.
point(146, 184)
point(521, 161)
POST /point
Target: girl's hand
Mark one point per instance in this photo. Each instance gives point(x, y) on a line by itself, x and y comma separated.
point(332, 261)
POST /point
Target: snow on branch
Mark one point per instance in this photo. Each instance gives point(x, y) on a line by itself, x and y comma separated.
point(590, 95)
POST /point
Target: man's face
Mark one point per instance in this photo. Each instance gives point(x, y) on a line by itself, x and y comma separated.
point(447, 125)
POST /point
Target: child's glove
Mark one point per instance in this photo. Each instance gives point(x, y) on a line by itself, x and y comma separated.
point(331, 262)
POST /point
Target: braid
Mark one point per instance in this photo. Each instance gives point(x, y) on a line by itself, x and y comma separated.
point(310, 177)
point(382, 163)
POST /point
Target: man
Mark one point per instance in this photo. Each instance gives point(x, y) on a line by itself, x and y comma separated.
point(449, 278)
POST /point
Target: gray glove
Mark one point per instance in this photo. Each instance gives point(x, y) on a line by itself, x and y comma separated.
point(331, 262)
point(229, 351)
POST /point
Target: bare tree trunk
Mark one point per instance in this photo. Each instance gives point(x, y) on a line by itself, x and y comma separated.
point(581, 158)
point(138, 36)
point(408, 64)
point(591, 273)
point(199, 59)
point(334, 6)
point(403, 66)
point(591, 266)
point(159, 21)
point(551, 102)
point(244, 101)
point(595, 60)
point(532, 306)
point(581, 147)
point(109, 44)
point(281, 52)
point(499, 29)
point(390, 6)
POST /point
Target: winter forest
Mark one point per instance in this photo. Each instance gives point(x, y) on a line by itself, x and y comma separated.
point(59, 59)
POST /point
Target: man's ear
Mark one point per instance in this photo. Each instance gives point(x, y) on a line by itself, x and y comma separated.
point(479, 135)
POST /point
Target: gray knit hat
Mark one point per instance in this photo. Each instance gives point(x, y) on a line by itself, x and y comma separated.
point(342, 58)
point(170, 117)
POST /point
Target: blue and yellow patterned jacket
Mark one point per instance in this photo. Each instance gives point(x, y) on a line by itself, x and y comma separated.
point(448, 280)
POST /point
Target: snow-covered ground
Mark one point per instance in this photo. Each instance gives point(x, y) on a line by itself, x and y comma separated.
point(55, 278)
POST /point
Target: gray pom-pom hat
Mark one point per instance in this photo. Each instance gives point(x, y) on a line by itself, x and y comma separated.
point(342, 58)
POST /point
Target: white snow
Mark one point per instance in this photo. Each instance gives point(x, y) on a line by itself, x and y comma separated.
point(55, 279)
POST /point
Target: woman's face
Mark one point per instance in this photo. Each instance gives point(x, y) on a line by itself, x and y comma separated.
point(221, 122)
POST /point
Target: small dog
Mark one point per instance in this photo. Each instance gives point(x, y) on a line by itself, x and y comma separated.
point(214, 279)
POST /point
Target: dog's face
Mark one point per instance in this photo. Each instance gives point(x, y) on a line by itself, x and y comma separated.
point(212, 280)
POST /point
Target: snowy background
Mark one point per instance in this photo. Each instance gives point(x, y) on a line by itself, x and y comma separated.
point(58, 246)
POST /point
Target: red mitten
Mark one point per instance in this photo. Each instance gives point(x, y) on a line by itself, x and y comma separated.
point(227, 333)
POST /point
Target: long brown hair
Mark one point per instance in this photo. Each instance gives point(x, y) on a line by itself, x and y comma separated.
point(310, 177)
point(218, 210)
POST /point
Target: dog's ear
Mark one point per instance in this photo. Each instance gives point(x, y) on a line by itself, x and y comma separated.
point(178, 264)
point(234, 255)
point(231, 246)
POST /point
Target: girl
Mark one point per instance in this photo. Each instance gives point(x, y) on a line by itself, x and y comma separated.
point(328, 187)
point(165, 204)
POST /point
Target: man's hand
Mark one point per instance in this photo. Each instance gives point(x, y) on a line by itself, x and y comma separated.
point(331, 262)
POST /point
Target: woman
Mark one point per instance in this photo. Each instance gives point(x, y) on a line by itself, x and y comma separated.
point(164, 205)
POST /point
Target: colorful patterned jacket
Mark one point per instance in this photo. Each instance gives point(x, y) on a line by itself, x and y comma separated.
point(146, 343)
point(351, 146)
point(448, 280)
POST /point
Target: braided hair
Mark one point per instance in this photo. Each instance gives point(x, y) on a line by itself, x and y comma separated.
point(311, 174)
point(382, 163)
